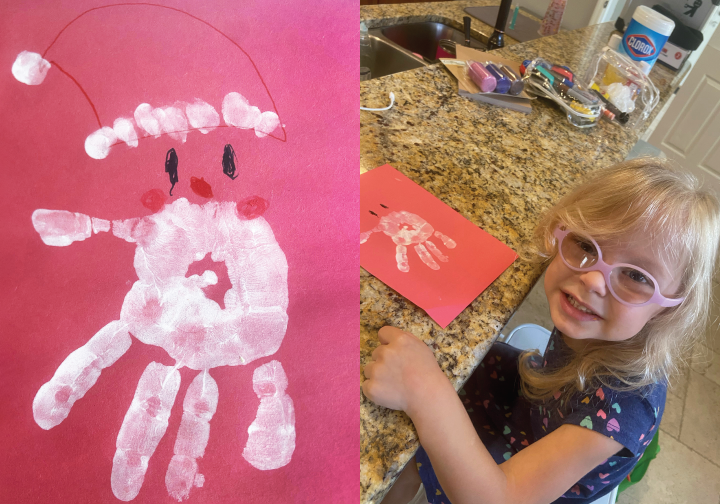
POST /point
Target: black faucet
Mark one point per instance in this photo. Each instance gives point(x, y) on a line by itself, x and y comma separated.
point(466, 22)
point(497, 39)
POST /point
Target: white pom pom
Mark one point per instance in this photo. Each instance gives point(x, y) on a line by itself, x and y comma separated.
point(30, 68)
point(98, 143)
point(125, 131)
point(267, 124)
point(172, 120)
point(145, 119)
point(202, 116)
point(238, 112)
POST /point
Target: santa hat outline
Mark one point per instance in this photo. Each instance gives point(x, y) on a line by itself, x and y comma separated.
point(31, 68)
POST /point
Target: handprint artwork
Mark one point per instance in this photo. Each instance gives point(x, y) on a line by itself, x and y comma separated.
point(424, 250)
point(166, 309)
point(405, 228)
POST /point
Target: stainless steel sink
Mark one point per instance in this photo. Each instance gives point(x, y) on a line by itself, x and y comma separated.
point(424, 38)
point(389, 59)
point(409, 46)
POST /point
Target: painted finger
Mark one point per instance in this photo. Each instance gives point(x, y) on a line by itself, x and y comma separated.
point(199, 407)
point(271, 436)
point(447, 241)
point(60, 228)
point(259, 276)
point(436, 252)
point(78, 372)
point(401, 258)
point(143, 427)
point(426, 257)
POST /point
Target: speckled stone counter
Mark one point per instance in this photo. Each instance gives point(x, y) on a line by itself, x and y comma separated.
point(500, 169)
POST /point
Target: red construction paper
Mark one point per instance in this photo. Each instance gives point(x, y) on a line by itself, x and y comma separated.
point(302, 179)
point(465, 270)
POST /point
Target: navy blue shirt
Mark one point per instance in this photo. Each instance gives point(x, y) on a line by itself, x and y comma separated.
point(630, 418)
point(507, 423)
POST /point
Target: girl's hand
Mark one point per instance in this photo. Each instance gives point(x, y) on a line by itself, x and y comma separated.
point(403, 373)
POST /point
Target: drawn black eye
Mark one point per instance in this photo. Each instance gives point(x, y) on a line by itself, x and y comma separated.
point(228, 161)
point(171, 168)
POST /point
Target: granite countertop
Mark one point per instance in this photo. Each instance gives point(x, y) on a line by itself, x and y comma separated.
point(499, 168)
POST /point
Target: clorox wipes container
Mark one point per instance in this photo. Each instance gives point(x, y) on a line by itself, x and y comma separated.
point(645, 36)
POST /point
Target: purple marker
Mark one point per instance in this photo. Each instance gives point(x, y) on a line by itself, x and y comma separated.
point(516, 83)
point(480, 76)
point(503, 83)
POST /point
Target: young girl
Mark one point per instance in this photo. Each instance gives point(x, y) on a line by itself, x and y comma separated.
point(631, 257)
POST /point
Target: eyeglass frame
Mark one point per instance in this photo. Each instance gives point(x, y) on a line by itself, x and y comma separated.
point(605, 268)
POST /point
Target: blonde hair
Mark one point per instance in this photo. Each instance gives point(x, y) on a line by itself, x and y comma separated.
point(681, 222)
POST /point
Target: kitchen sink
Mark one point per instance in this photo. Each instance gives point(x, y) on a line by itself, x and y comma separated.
point(389, 59)
point(404, 47)
point(424, 38)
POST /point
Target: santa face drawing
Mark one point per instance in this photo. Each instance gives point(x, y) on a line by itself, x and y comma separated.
point(212, 288)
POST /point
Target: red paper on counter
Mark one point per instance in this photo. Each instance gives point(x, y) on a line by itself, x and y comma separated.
point(424, 249)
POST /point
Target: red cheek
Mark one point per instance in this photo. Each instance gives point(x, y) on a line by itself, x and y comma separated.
point(252, 207)
point(153, 200)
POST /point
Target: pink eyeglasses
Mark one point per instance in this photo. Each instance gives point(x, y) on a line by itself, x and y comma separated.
point(631, 285)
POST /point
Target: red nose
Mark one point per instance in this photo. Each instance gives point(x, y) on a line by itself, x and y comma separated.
point(200, 187)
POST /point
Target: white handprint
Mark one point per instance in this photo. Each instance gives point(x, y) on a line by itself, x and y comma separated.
point(166, 309)
point(405, 229)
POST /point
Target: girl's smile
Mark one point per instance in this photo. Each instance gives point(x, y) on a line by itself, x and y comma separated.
point(577, 309)
point(582, 306)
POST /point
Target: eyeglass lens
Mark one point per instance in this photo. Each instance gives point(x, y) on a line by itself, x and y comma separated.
point(629, 284)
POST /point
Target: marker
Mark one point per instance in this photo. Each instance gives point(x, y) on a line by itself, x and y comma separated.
point(480, 76)
point(502, 82)
point(516, 83)
point(514, 18)
point(546, 74)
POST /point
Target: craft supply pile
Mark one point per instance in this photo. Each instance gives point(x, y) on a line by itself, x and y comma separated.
point(614, 88)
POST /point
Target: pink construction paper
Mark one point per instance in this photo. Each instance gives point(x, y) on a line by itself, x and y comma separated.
point(293, 58)
point(469, 261)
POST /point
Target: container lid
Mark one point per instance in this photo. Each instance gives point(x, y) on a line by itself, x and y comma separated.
point(654, 20)
point(614, 41)
point(363, 27)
